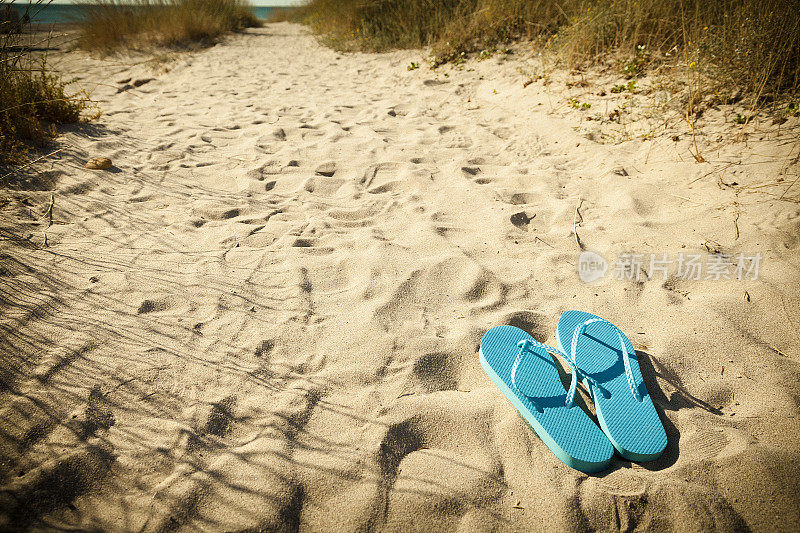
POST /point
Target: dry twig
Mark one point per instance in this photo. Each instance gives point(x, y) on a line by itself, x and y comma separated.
point(575, 223)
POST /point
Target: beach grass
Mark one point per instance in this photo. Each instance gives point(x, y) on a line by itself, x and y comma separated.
point(110, 25)
point(752, 45)
point(33, 100)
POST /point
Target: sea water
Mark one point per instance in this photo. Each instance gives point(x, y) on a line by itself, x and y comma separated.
point(60, 13)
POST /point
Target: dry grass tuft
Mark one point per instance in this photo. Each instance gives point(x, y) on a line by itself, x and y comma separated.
point(33, 100)
point(113, 24)
point(751, 45)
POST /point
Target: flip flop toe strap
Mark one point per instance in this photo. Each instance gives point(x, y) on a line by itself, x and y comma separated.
point(579, 330)
point(528, 346)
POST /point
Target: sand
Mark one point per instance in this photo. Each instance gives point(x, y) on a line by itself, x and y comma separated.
point(266, 314)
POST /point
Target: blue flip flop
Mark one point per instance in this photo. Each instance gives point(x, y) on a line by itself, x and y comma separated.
point(606, 362)
point(523, 370)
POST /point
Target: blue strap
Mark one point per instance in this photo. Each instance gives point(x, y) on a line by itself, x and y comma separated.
point(527, 346)
point(579, 329)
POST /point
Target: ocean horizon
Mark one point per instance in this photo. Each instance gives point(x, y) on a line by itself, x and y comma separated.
point(66, 13)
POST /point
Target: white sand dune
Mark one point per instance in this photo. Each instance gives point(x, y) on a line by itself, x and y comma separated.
point(266, 315)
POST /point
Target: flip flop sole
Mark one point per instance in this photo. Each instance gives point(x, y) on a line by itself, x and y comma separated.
point(567, 431)
point(632, 426)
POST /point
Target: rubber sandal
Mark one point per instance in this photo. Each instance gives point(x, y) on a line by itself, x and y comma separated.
point(527, 375)
point(607, 364)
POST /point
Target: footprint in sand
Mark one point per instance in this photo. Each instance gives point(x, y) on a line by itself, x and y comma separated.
point(435, 371)
point(248, 482)
point(264, 348)
point(53, 484)
point(421, 469)
point(360, 216)
point(706, 444)
point(519, 198)
point(323, 186)
point(622, 483)
point(537, 324)
point(220, 417)
point(521, 219)
point(474, 173)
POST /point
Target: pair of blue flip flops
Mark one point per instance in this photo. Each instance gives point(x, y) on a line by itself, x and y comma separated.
point(603, 358)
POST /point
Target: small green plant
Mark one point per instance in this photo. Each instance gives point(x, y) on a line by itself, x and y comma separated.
point(412, 66)
point(630, 70)
point(793, 109)
point(574, 103)
point(741, 119)
point(630, 87)
point(635, 67)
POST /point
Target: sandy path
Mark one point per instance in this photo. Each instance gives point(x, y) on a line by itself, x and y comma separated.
point(266, 317)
